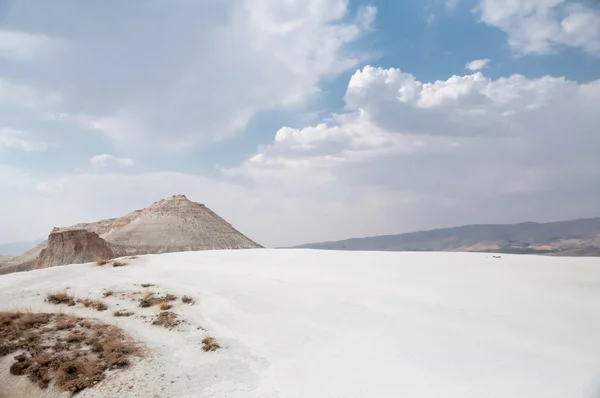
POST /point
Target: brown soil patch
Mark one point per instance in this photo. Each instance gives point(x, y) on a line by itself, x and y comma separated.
point(73, 352)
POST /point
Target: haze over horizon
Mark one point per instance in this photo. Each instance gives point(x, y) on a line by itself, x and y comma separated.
point(300, 121)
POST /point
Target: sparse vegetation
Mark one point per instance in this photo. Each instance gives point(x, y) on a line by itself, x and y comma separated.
point(165, 306)
point(170, 297)
point(95, 304)
point(147, 285)
point(118, 264)
point(75, 360)
point(166, 319)
point(148, 300)
point(187, 300)
point(60, 298)
point(151, 299)
point(122, 313)
point(210, 344)
point(107, 293)
point(101, 261)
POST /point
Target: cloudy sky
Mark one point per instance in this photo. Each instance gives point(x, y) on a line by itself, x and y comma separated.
point(300, 120)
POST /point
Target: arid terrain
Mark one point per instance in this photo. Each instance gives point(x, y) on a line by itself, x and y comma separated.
point(311, 323)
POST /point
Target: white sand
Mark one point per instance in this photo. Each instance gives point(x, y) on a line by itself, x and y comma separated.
point(301, 323)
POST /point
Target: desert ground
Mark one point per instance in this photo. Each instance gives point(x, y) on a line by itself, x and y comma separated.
point(307, 323)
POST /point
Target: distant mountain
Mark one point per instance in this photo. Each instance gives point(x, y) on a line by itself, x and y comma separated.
point(15, 249)
point(566, 238)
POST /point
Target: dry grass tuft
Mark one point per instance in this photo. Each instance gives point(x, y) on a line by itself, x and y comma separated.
point(101, 261)
point(148, 300)
point(60, 298)
point(210, 344)
point(188, 300)
point(165, 306)
point(95, 304)
point(166, 319)
point(151, 299)
point(118, 264)
point(123, 313)
point(170, 297)
point(107, 293)
point(147, 285)
point(73, 352)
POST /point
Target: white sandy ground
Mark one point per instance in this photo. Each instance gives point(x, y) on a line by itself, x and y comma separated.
point(301, 323)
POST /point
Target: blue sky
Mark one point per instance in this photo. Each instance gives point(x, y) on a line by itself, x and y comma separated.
point(300, 121)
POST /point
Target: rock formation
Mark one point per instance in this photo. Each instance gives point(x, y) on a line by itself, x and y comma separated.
point(170, 225)
point(74, 246)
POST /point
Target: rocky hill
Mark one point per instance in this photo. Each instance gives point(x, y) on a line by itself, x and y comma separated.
point(566, 238)
point(174, 224)
point(74, 246)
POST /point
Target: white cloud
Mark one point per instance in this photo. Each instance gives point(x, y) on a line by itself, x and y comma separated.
point(544, 26)
point(210, 69)
point(105, 160)
point(16, 139)
point(23, 46)
point(470, 146)
point(477, 64)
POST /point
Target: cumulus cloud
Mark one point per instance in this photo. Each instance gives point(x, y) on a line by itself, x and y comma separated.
point(16, 139)
point(477, 64)
point(105, 160)
point(544, 26)
point(403, 155)
point(468, 145)
point(200, 75)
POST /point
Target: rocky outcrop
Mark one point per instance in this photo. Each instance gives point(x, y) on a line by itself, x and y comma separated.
point(75, 246)
point(173, 224)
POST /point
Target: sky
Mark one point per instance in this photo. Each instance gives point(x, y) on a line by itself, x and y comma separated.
point(300, 120)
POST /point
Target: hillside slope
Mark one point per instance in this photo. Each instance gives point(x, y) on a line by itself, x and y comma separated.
point(305, 323)
point(569, 238)
point(169, 225)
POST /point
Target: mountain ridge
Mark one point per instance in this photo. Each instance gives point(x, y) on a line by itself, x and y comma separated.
point(578, 237)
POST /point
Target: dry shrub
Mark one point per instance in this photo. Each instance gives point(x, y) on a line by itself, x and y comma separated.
point(101, 261)
point(76, 360)
point(118, 264)
point(165, 306)
point(210, 344)
point(170, 297)
point(95, 304)
point(151, 299)
point(166, 319)
point(147, 285)
point(148, 300)
point(187, 300)
point(107, 293)
point(123, 313)
point(60, 298)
